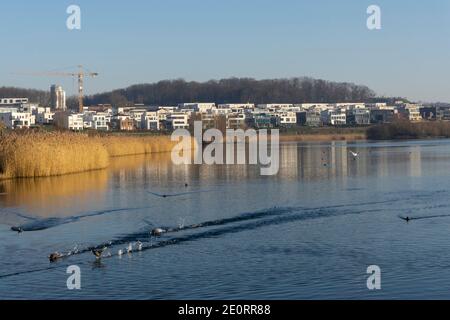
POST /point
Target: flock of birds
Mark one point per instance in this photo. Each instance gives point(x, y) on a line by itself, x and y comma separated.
point(138, 246)
point(104, 253)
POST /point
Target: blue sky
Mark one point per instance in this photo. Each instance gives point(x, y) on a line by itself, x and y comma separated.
point(139, 41)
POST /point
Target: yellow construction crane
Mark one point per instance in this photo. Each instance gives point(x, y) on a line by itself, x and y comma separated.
point(80, 75)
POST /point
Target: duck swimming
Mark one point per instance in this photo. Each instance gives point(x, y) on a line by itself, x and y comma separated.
point(157, 232)
point(55, 256)
point(98, 253)
point(17, 229)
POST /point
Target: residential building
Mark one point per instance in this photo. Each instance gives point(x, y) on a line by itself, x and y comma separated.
point(69, 121)
point(12, 102)
point(275, 107)
point(136, 116)
point(197, 107)
point(360, 116)
point(443, 113)
point(383, 115)
point(337, 117)
point(236, 120)
point(177, 120)
point(410, 111)
point(262, 120)
point(313, 119)
point(150, 121)
point(287, 119)
point(58, 98)
point(45, 118)
point(17, 120)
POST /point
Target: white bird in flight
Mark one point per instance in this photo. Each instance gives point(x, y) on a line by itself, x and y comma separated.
point(354, 154)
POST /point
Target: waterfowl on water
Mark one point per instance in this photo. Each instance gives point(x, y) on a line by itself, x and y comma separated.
point(98, 252)
point(17, 229)
point(55, 256)
point(139, 246)
point(130, 248)
point(157, 232)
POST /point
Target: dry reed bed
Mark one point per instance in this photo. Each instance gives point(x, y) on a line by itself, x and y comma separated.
point(39, 154)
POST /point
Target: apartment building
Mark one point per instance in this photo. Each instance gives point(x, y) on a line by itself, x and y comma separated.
point(150, 121)
point(334, 117)
point(17, 120)
point(197, 107)
point(288, 119)
point(236, 120)
point(12, 102)
point(177, 120)
point(69, 121)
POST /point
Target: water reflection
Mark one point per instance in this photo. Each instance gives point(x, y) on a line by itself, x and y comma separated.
point(47, 196)
point(306, 162)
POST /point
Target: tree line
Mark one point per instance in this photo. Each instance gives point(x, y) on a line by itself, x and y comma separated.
point(40, 96)
point(236, 90)
point(232, 90)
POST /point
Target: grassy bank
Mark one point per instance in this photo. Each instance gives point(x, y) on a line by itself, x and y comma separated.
point(409, 130)
point(43, 154)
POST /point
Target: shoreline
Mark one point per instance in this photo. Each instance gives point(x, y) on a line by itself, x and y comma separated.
point(44, 154)
point(47, 154)
point(322, 137)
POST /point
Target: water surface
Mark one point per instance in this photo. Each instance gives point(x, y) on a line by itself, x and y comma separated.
point(308, 233)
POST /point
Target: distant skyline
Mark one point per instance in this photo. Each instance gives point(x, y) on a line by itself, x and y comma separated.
point(144, 41)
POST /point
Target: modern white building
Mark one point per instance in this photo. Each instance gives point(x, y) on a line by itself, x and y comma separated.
point(221, 109)
point(318, 107)
point(334, 117)
point(411, 111)
point(150, 121)
point(17, 102)
point(197, 107)
point(274, 107)
point(44, 115)
point(136, 116)
point(97, 121)
point(236, 107)
point(178, 120)
point(17, 120)
point(361, 116)
point(288, 118)
point(236, 120)
point(69, 121)
point(29, 107)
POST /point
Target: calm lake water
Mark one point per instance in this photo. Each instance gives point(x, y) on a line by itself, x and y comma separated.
point(308, 233)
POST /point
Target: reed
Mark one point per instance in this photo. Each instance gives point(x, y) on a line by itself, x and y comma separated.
point(42, 154)
point(403, 129)
point(38, 154)
point(118, 146)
